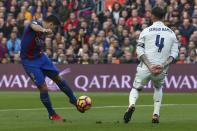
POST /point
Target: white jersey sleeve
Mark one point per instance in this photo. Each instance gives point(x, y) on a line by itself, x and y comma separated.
point(174, 49)
point(140, 46)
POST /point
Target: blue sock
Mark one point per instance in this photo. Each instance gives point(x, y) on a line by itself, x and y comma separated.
point(66, 89)
point(44, 97)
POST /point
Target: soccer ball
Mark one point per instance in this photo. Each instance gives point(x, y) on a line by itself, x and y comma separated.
point(84, 103)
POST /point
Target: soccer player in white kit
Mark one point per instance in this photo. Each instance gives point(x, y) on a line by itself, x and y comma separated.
point(157, 48)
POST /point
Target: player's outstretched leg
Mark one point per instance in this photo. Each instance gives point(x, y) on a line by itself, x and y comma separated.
point(45, 99)
point(62, 84)
point(132, 100)
point(157, 104)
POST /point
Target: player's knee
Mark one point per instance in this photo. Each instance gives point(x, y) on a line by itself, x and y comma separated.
point(138, 89)
point(43, 88)
point(138, 85)
point(56, 78)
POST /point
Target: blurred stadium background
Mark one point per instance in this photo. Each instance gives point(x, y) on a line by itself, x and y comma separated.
point(95, 51)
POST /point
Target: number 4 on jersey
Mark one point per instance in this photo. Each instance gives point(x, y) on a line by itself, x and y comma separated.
point(159, 42)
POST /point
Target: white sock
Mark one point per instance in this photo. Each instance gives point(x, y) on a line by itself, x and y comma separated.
point(133, 97)
point(157, 100)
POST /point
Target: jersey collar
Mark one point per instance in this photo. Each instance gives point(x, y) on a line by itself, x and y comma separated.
point(158, 23)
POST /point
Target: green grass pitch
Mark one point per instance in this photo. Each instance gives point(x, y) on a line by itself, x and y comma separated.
point(22, 111)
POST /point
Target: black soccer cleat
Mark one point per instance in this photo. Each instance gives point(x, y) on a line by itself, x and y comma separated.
point(155, 119)
point(128, 114)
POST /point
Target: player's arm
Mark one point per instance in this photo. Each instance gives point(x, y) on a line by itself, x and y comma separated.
point(38, 28)
point(145, 60)
point(150, 66)
point(141, 49)
point(173, 55)
point(141, 53)
point(168, 62)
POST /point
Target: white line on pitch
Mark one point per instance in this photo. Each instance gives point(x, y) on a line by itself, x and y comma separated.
point(95, 107)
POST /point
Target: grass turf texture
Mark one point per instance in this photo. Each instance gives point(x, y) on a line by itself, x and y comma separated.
point(182, 116)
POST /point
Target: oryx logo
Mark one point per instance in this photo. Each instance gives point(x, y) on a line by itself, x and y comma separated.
point(51, 85)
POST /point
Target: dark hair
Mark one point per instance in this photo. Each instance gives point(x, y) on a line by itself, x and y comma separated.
point(52, 18)
point(113, 6)
point(158, 12)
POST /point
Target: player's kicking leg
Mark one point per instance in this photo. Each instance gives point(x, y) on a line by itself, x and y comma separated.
point(62, 84)
point(52, 72)
point(45, 99)
point(38, 77)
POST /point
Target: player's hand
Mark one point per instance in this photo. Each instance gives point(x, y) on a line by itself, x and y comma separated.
point(159, 69)
point(152, 68)
point(48, 31)
point(156, 69)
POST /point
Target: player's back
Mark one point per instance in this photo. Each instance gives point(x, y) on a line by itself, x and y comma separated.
point(32, 43)
point(158, 41)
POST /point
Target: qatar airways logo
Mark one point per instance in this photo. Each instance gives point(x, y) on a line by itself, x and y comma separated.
point(90, 81)
point(102, 82)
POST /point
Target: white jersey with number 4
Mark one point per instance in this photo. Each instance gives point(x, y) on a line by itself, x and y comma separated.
point(157, 42)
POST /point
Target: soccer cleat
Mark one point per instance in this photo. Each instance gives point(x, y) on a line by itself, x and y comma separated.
point(155, 118)
point(56, 117)
point(128, 114)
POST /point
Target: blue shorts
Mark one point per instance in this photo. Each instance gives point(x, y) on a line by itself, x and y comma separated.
point(39, 68)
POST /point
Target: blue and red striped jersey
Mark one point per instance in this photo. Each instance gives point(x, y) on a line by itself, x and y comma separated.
point(32, 43)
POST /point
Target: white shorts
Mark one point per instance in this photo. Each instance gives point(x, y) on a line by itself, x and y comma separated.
point(143, 76)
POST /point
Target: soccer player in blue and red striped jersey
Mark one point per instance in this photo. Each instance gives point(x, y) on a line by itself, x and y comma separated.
point(37, 65)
